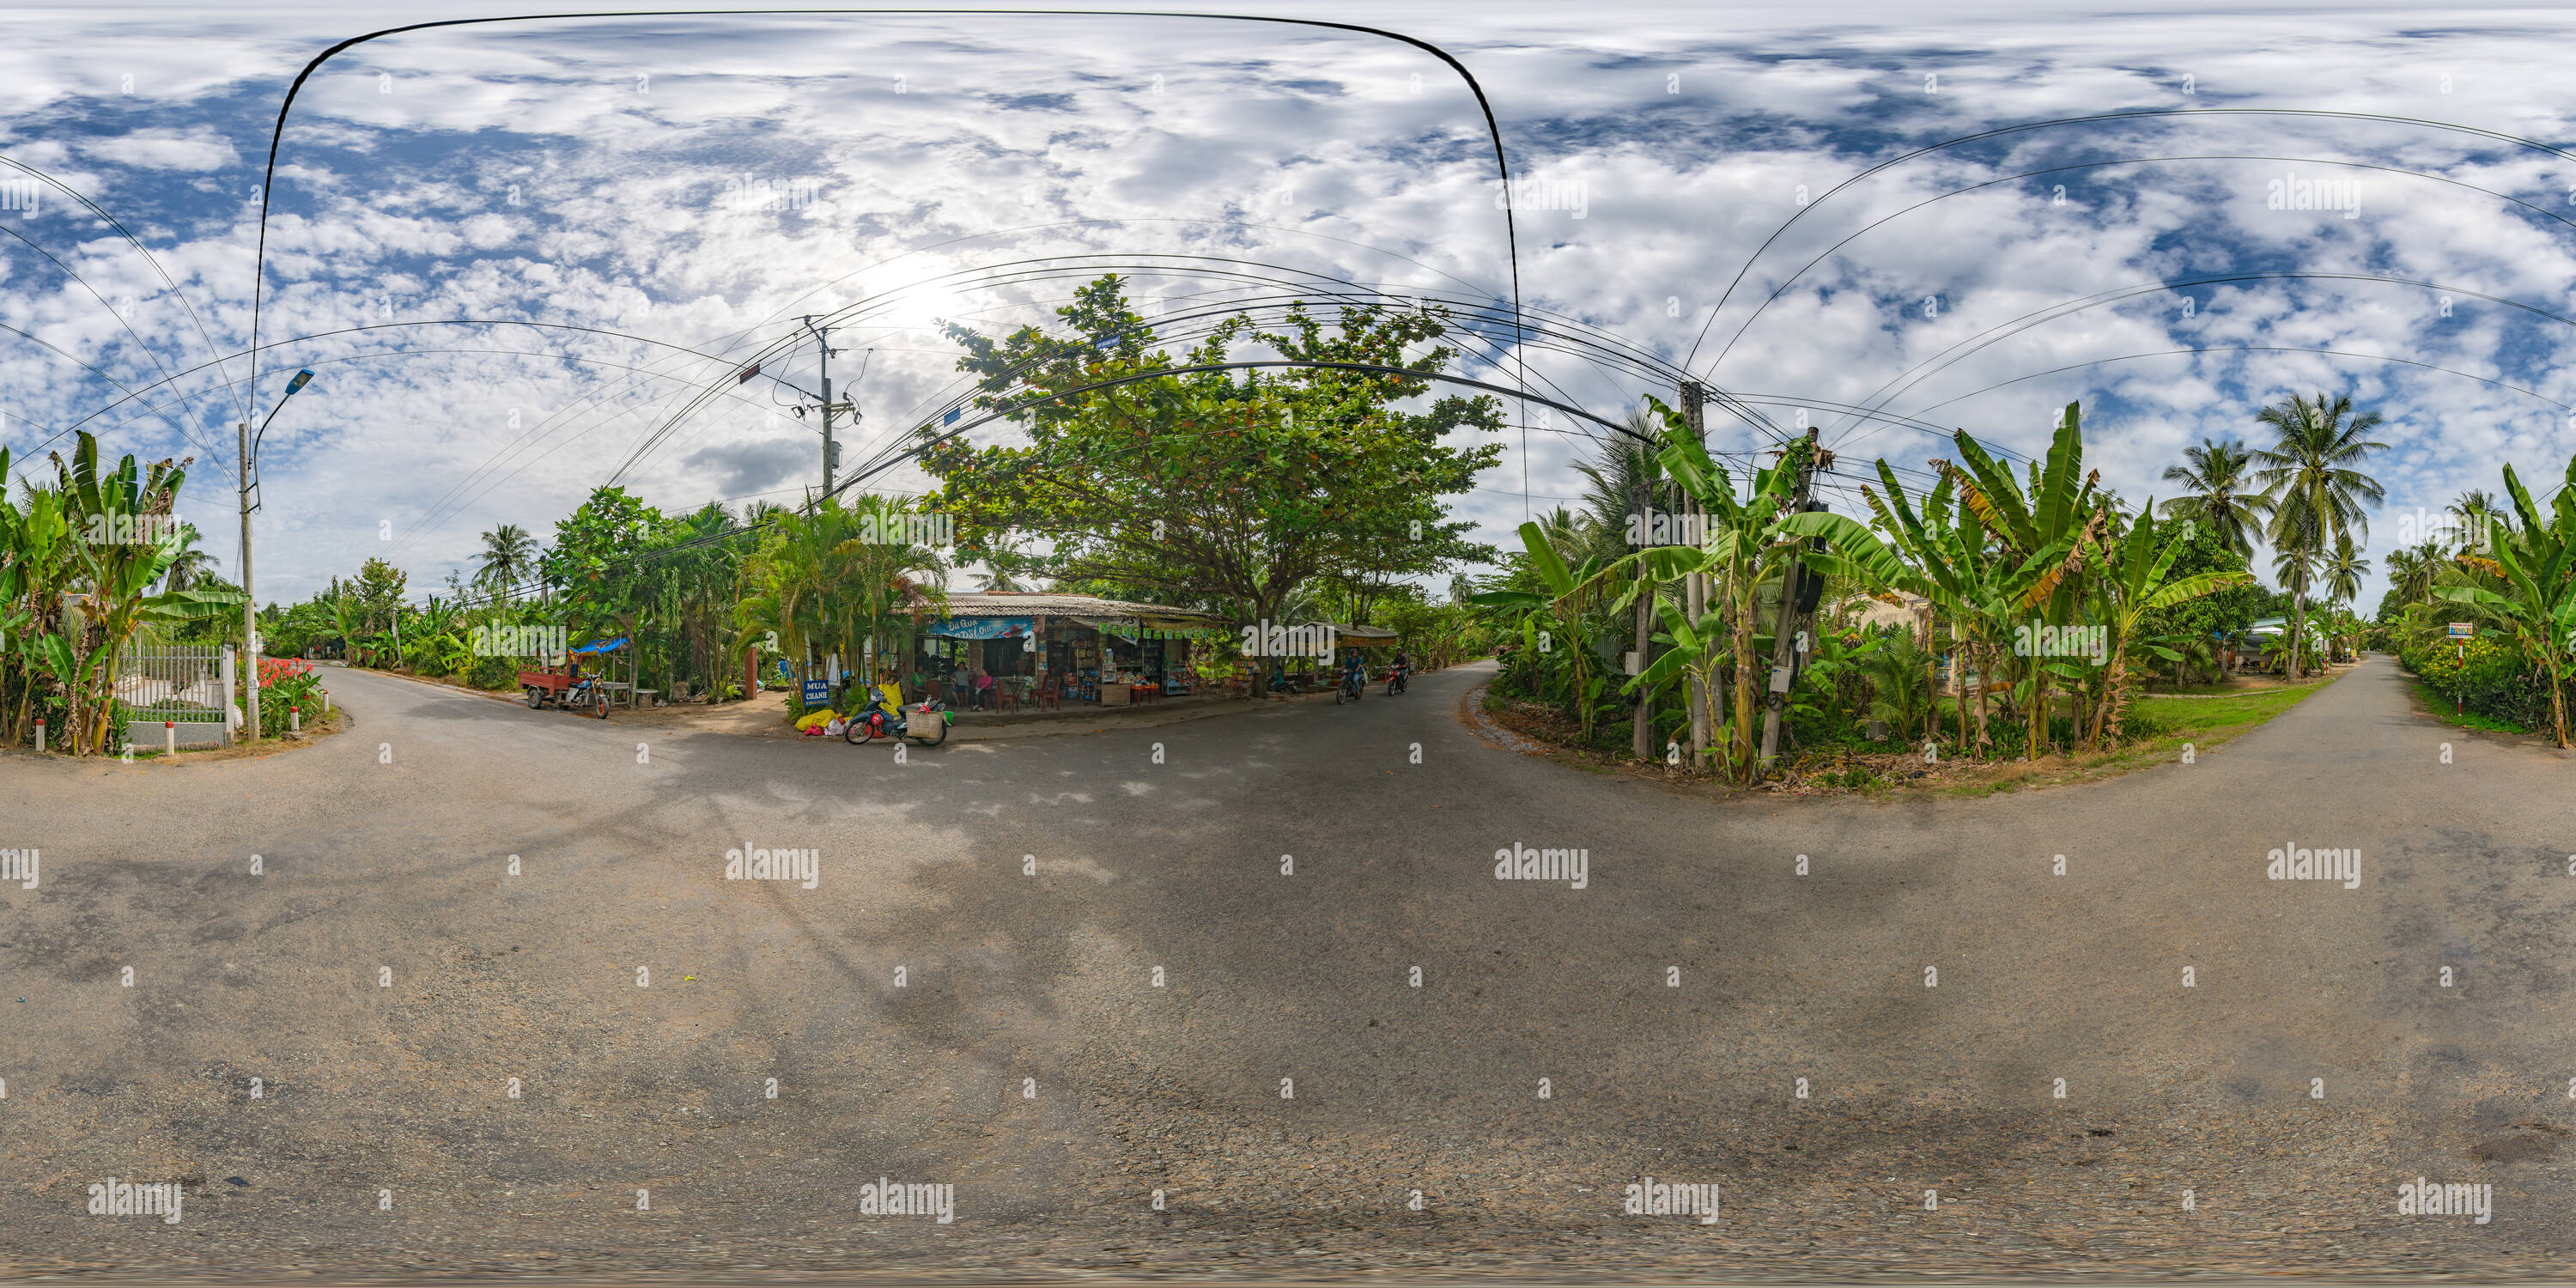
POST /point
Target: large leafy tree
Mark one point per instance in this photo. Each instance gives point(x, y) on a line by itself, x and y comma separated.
point(1230, 488)
point(378, 590)
point(595, 559)
point(2319, 493)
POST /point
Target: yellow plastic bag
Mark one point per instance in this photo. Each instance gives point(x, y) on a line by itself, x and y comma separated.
point(817, 716)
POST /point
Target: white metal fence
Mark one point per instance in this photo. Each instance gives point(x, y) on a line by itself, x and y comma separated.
point(188, 685)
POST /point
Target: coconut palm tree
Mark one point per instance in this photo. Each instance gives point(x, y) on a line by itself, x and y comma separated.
point(2343, 570)
point(2410, 572)
point(189, 565)
point(2220, 493)
point(509, 556)
point(1624, 490)
point(2295, 567)
point(1003, 561)
point(2471, 515)
point(2310, 473)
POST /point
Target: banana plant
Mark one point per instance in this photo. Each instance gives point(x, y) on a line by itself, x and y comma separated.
point(1743, 545)
point(345, 620)
point(2130, 583)
point(1557, 617)
point(113, 570)
point(35, 572)
point(2043, 531)
point(2537, 560)
point(1947, 555)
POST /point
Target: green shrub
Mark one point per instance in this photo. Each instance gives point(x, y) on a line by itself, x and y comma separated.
point(2489, 677)
point(495, 673)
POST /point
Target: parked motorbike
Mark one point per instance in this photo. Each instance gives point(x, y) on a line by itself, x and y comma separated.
point(924, 722)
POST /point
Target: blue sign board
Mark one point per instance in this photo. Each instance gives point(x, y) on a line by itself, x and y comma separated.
point(817, 693)
point(979, 628)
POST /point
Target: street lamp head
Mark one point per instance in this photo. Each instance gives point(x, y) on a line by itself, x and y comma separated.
point(302, 378)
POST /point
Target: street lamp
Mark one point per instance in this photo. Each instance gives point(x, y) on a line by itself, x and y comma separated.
point(250, 601)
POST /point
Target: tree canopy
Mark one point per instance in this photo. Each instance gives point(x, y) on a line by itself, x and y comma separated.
point(1216, 488)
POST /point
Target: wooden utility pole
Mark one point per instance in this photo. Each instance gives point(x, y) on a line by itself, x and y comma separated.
point(1784, 658)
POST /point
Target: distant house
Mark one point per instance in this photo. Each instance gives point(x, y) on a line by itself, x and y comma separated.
point(1873, 612)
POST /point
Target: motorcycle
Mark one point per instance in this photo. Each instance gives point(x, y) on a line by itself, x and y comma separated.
point(926, 723)
point(1395, 679)
point(1353, 687)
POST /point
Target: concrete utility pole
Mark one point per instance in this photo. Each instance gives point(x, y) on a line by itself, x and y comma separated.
point(1784, 657)
point(1695, 587)
point(831, 449)
point(249, 448)
point(250, 602)
point(1641, 733)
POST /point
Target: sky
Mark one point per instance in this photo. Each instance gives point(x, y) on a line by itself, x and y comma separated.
point(528, 258)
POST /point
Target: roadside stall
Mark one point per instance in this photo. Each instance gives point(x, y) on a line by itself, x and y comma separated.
point(1080, 647)
point(1370, 642)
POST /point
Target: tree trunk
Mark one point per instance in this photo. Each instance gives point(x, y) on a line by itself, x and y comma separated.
point(1641, 732)
point(2038, 708)
point(2104, 718)
point(1742, 738)
point(1984, 658)
point(1959, 650)
point(2558, 712)
point(2298, 619)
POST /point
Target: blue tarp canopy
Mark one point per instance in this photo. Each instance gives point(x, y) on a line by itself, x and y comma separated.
point(979, 628)
point(610, 646)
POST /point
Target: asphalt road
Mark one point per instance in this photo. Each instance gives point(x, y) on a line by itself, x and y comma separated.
point(933, 1011)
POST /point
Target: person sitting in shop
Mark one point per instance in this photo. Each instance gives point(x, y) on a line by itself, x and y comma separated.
point(983, 690)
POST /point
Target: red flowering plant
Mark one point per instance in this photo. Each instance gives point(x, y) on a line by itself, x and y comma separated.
point(286, 682)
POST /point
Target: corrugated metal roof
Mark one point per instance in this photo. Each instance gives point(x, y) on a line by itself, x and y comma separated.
point(966, 603)
point(1361, 632)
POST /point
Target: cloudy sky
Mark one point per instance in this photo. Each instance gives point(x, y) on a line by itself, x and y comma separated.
point(527, 258)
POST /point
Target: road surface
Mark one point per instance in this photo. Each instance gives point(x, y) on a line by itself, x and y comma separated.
point(1059, 975)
